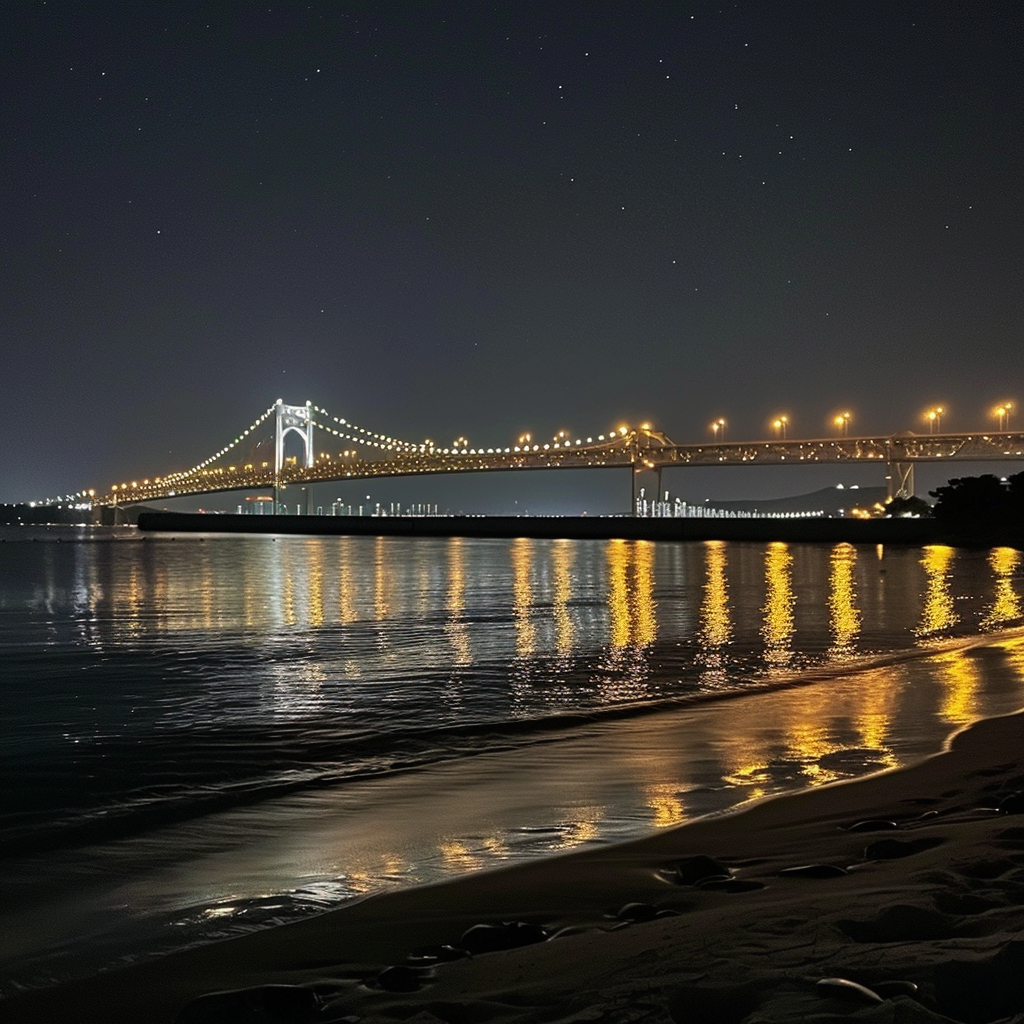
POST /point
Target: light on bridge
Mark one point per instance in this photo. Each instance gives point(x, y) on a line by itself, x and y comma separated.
point(718, 429)
point(842, 423)
point(934, 418)
point(780, 424)
point(1002, 413)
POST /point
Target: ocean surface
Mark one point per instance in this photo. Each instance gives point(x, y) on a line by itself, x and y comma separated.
point(203, 735)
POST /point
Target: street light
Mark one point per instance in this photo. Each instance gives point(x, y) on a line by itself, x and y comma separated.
point(842, 422)
point(934, 418)
point(718, 429)
point(1003, 414)
point(780, 425)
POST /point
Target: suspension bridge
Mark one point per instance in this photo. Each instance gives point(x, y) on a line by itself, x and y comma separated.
point(345, 451)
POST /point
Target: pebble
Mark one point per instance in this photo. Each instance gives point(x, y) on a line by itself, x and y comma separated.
point(873, 825)
point(691, 870)
point(893, 849)
point(888, 989)
point(637, 912)
point(489, 938)
point(843, 988)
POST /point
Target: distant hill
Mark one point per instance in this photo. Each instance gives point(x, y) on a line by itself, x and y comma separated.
point(830, 501)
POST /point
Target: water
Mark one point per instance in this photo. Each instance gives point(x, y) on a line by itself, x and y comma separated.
point(202, 735)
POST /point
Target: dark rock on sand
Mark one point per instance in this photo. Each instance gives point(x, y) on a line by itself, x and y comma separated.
point(265, 1004)
point(843, 988)
point(691, 870)
point(893, 849)
point(489, 938)
point(873, 825)
point(896, 987)
point(636, 912)
point(813, 871)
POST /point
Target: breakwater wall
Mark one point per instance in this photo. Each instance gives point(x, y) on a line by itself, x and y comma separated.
point(854, 531)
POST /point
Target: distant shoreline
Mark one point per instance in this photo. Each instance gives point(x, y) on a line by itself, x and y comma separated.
point(823, 530)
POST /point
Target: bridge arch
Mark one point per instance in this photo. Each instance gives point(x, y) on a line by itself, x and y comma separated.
point(290, 419)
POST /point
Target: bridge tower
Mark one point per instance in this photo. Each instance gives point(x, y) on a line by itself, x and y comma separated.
point(290, 419)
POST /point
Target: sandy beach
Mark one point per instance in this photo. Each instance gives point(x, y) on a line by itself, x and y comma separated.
point(911, 893)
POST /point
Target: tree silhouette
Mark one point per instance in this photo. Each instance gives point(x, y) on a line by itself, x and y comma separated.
point(983, 503)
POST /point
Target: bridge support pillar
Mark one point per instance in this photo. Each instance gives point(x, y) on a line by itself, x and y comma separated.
point(900, 481)
point(288, 419)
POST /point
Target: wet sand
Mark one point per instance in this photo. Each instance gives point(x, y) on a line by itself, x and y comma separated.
point(931, 896)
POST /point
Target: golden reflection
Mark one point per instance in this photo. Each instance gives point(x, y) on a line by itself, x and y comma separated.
point(381, 580)
point(715, 623)
point(746, 768)
point(777, 628)
point(316, 585)
point(631, 601)
point(1013, 651)
point(808, 742)
point(937, 612)
point(643, 596)
point(1006, 604)
point(346, 607)
point(128, 601)
point(288, 587)
point(522, 592)
point(455, 601)
point(618, 592)
point(874, 713)
point(716, 626)
point(456, 854)
point(582, 830)
point(562, 556)
point(961, 682)
point(664, 800)
point(819, 734)
point(844, 618)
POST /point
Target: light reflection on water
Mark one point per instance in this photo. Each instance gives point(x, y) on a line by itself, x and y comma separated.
point(165, 670)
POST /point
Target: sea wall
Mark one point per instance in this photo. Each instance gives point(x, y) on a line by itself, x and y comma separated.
point(855, 531)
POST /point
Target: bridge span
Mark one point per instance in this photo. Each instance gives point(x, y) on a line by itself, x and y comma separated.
point(368, 455)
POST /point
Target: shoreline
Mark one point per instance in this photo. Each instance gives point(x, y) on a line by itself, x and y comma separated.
point(953, 899)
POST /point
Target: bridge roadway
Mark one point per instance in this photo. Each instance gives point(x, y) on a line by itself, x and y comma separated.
point(641, 449)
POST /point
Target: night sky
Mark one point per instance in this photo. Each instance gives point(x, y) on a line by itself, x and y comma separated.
point(478, 218)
